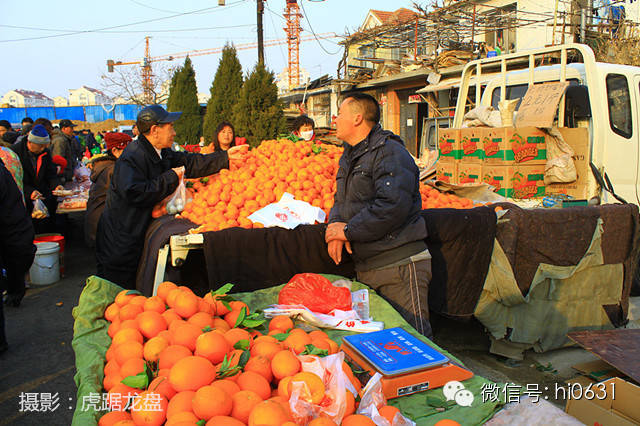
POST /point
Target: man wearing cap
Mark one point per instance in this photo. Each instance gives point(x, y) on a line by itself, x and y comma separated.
point(145, 174)
point(40, 173)
point(101, 171)
point(63, 144)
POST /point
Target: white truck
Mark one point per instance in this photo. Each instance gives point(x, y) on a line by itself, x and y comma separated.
point(602, 97)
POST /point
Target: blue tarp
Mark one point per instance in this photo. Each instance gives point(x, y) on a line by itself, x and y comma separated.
point(70, 113)
point(13, 115)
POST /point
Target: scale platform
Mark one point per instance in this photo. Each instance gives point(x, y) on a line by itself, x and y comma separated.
point(407, 364)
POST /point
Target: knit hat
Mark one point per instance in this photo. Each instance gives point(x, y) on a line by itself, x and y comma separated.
point(116, 140)
point(59, 161)
point(38, 135)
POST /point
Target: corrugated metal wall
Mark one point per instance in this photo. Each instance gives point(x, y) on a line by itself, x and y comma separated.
point(89, 113)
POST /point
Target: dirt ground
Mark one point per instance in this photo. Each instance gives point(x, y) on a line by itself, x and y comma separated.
point(101, 126)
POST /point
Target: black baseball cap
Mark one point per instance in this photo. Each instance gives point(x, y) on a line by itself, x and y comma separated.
point(66, 123)
point(155, 114)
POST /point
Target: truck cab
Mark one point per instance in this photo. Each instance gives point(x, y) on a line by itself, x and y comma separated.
point(602, 97)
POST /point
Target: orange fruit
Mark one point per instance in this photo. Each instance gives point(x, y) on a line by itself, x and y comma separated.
point(268, 413)
point(231, 318)
point(130, 323)
point(212, 346)
point(317, 334)
point(153, 348)
point(243, 403)
point(126, 335)
point(162, 386)
point(220, 324)
point(227, 385)
point(283, 387)
point(129, 312)
point(171, 355)
point(252, 381)
point(204, 306)
point(447, 422)
point(211, 401)
point(352, 378)
point(111, 367)
point(114, 327)
point(351, 404)
point(183, 418)
point(224, 421)
point(123, 298)
point(170, 315)
point(234, 335)
point(322, 421)
point(164, 288)
point(281, 322)
point(191, 373)
point(313, 388)
point(150, 323)
point(265, 348)
point(186, 304)
point(138, 300)
point(284, 363)
point(154, 303)
point(179, 403)
point(185, 334)
point(117, 396)
point(357, 420)
point(112, 312)
point(110, 380)
point(266, 339)
point(388, 412)
point(297, 341)
point(150, 409)
point(201, 320)
point(172, 295)
point(261, 365)
point(127, 350)
point(113, 417)
point(132, 366)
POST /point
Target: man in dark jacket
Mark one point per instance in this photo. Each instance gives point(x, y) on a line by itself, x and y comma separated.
point(146, 173)
point(16, 244)
point(101, 171)
point(40, 174)
point(376, 213)
point(63, 144)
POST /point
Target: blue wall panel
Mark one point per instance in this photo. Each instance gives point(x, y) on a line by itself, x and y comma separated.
point(127, 112)
point(95, 113)
point(12, 115)
point(70, 113)
point(41, 112)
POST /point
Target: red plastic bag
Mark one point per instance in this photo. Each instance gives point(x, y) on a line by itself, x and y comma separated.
point(316, 293)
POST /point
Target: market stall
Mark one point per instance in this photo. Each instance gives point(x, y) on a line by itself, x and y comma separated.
point(91, 342)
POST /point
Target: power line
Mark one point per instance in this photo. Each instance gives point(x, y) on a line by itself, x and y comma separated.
point(314, 33)
point(118, 26)
point(152, 8)
point(135, 31)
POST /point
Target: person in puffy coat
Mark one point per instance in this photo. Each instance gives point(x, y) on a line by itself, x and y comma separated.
point(376, 214)
point(101, 171)
point(145, 174)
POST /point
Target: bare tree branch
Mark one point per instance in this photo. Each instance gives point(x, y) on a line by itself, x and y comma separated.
point(126, 83)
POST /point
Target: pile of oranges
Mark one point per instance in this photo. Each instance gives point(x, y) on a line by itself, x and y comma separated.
point(434, 199)
point(303, 169)
point(182, 358)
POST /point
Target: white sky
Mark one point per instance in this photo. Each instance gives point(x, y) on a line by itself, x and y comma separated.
point(53, 46)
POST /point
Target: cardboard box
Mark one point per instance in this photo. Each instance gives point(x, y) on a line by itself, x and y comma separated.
point(515, 181)
point(449, 145)
point(469, 173)
point(612, 402)
point(578, 139)
point(527, 145)
point(471, 144)
point(495, 145)
point(447, 172)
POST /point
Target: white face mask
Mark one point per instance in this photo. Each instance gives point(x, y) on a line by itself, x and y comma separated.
point(306, 135)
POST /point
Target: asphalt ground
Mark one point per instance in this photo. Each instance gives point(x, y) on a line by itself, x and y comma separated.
point(40, 362)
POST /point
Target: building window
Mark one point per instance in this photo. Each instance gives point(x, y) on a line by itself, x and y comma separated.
point(503, 33)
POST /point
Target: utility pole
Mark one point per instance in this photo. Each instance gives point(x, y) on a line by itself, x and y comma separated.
point(260, 11)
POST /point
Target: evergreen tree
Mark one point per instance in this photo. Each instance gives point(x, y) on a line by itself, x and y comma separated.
point(225, 91)
point(183, 96)
point(258, 113)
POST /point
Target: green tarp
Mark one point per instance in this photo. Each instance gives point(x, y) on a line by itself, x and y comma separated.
point(90, 343)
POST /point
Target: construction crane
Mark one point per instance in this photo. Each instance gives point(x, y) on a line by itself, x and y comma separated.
point(146, 70)
point(293, 15)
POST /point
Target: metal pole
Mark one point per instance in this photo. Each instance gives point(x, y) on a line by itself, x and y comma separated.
point(555, 21)
point(260, 10)
point(473, 26)
point(583, 24)
point(415, 43)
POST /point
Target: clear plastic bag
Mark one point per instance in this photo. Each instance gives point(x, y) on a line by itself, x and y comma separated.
point(373, 399)
point(174, 203)
point(40, 210)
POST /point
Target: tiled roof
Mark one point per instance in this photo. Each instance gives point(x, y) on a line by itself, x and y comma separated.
point(400, 15)
point(96, 91)
point(32, 94)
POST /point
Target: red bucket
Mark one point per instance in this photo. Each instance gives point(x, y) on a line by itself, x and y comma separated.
point(53, 238)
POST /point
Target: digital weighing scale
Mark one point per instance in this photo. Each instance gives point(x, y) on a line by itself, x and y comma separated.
point(407, 364)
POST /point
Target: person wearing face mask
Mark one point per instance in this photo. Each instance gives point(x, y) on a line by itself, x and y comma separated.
point(225, 137)
point(304, 128)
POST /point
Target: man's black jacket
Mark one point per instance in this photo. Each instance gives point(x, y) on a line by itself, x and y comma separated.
point(379, 198)
point(140, 180)
point(43, 178)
